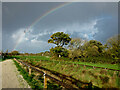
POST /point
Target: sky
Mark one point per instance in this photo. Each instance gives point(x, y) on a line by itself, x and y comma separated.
point(27, 26)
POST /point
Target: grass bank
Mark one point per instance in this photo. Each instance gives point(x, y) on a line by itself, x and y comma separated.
point(35, 81)
point(38, 58)
point(99, 77)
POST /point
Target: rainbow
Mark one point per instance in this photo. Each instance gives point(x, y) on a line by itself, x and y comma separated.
point(40, 18)
point(47, 13)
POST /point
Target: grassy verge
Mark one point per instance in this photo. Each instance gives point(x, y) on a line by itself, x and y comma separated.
point(110, 66)
point(0, 59)
point(32, 82)
point(99, 77)
point(32, 57)
point(38, 58)
point(36, 82)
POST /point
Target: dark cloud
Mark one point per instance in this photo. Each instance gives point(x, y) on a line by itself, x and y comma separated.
point(107, 27)
point(98, 20)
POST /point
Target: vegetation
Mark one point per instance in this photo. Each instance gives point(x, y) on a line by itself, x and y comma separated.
point(102, 78)
point(35, 81)
point(8, 55)
point(67, 61)
point(79, 52)
point(59, 51)
point(77, 49)
point(87, 51)
point(60, 39)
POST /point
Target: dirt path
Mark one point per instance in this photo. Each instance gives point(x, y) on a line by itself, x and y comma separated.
point(11, 77)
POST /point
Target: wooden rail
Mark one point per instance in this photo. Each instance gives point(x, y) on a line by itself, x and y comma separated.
point(45, 75)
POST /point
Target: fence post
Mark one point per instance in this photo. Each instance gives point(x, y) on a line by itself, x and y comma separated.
point(94, 67)
point(45, 80)
point(20, 63)
point(16, 60)
point(29, 70)
point(84, 66)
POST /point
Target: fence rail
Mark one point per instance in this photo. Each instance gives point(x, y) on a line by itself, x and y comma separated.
point(43, 70)
point(45, 75)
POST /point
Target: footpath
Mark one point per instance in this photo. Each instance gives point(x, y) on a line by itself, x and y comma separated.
point(10, 77)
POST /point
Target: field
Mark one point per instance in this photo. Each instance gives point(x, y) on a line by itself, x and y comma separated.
point(102, 78)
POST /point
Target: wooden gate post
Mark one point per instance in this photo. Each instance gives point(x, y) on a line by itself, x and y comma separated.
point(45, 80)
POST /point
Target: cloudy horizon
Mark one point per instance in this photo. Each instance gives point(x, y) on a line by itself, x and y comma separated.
point(26, 26)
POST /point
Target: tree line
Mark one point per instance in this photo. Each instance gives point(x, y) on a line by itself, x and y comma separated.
point(84, 50)
point(79, 49)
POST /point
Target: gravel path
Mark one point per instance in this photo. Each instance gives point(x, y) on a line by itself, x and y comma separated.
point(11, 77)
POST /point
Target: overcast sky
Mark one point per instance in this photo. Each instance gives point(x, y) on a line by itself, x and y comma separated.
point(89, 20)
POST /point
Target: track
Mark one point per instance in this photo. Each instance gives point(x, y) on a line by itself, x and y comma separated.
point(11, 77)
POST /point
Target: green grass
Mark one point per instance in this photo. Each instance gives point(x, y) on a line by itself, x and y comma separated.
point(103, 65)
point(33, 57)
point(30, 80)
point(96, 76)
point(0, 58)
point(36, 82)
point(75, 68)
point(110, 66)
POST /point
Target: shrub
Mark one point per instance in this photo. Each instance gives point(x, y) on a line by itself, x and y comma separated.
point(59, 51)
point(75, 54)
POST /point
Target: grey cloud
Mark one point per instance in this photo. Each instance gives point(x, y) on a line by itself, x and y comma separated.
point(75, 19)
point(107, 28)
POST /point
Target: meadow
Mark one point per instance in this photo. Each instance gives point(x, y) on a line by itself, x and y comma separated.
point(102, 78)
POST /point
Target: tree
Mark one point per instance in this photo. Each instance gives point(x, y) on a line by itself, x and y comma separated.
point(92, 43)
point(59, 51)
point(92, 51)
point(75, 48)
point(75, 43)
point(60, 39)
point(92, 48)
point(6, 52)
point(47, 53)
point(74, 54)
point(113, 46)
point(15, 53)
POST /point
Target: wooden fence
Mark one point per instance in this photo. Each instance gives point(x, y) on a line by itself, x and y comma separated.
point(45, 75)
point(65, 77)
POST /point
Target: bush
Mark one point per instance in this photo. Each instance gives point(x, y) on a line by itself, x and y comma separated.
point(59, 51)
point(75, 54)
